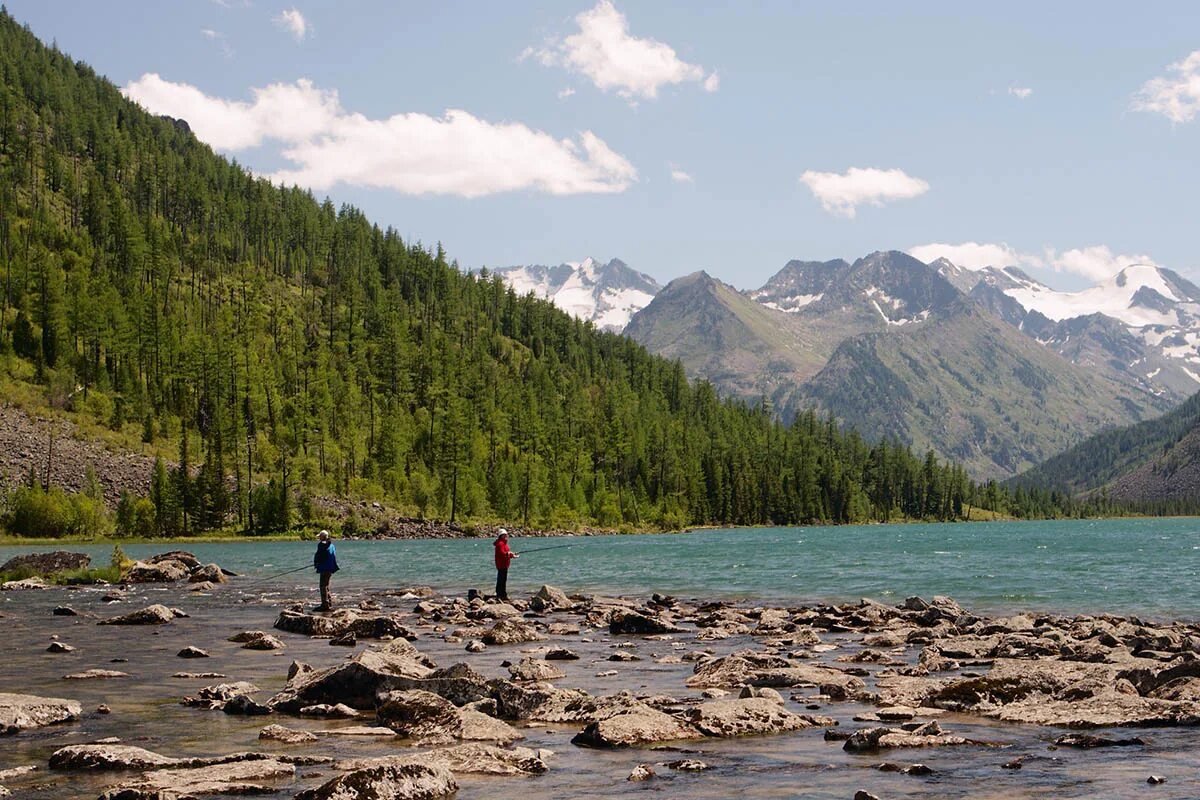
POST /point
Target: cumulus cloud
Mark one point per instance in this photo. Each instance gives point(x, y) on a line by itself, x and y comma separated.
point(842, 193)
point(971, 255)
point(292, 21)
point(1096, 262)
point(455, 154)
point(1020, 92)
point(604, 51)
point(1175, 95)
point(563, 94)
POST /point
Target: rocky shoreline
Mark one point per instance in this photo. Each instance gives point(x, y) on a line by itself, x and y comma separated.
point(419, 710)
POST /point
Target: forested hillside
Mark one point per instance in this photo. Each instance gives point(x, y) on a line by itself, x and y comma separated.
point(1151, 466)
point(282, 348)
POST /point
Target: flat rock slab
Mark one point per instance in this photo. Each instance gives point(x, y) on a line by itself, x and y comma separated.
point(466, 759)
point(748, 717)
point(237, 778)
point(95, 674)
point(20, 712)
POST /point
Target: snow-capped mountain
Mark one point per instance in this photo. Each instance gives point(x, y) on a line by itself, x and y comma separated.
point(605, 294)
point(1143, 323)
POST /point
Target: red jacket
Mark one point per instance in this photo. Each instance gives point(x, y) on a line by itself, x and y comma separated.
point(504, 556)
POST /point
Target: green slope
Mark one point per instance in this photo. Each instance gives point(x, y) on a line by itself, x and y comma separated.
point(972, 388)
point(1128, 458)
point(291, 349)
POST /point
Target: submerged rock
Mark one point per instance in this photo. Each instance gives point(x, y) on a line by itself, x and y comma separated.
point(278, 733)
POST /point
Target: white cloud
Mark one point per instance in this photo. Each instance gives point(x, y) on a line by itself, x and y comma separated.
point(680, 176)
point(292, 21)
point(1020, 92)
point(456, 154)
point(1176, 95)
point(563, 94)
point(970, 255)
point(1096, 262)
point(605, 52)
point(842, 194)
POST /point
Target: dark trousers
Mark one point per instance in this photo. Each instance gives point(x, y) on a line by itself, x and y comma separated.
point(326, 599)
point(502, 584)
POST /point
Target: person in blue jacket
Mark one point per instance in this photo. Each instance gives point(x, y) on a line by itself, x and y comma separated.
point(325, 563)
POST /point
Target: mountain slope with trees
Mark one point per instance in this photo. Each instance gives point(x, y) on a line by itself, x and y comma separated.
point(283, 348)
point(1152, 466)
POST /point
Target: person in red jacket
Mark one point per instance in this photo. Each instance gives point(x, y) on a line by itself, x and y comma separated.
point(504, 557)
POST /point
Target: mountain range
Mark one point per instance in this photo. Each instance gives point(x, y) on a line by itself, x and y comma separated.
point(988, 367)
point(605, 294)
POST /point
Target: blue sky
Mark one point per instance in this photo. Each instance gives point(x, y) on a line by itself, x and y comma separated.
point(570, 118)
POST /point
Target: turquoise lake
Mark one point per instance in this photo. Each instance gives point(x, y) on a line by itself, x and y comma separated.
point(1128, 566)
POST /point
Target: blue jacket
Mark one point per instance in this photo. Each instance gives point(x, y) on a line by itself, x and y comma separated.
point(325, 559)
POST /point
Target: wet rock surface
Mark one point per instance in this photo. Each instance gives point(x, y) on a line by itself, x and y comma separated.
point(682, 677)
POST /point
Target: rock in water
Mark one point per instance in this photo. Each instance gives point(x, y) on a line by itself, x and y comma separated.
point(209, 573)
point(156, 614)
point(639, 724)
point(48, 563)
point(235, 778)
point(278, 733)
point(20, 712)
point(192, 652)
point(356, 682)
point(632, 622)
point(532, 669)
point(748, 717)
point(512, 631)
point(165, 571)
point(642, 772)
point(394, 782)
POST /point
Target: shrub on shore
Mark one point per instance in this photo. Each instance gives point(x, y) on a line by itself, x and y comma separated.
point(34, 512)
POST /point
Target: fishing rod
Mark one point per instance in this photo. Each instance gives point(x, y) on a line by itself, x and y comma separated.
point(544, 549)
point(280, 575)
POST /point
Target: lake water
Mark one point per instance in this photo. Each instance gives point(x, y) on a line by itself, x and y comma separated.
point(1131, 566)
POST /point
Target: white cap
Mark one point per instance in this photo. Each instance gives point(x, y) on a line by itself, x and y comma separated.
point(323, 534)
point(502, 532)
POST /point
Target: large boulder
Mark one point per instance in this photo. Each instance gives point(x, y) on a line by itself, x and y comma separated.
point(395, 781)
point(637, 725)
point(512, 631)
point(210, 573)
point(535, 669)
point(542, 703)
point(165, 571)
point(20, 712)
point(343, 621)
point(457, 683)
point(156, 614)
point(748, 717)
point(47, 563)
point(416, 714)
point(633, 622)
point(550, 598)
point(355, 682)
point(182, 556)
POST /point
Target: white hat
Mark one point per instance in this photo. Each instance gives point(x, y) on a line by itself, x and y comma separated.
point(503, 532)
point(322, 534)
